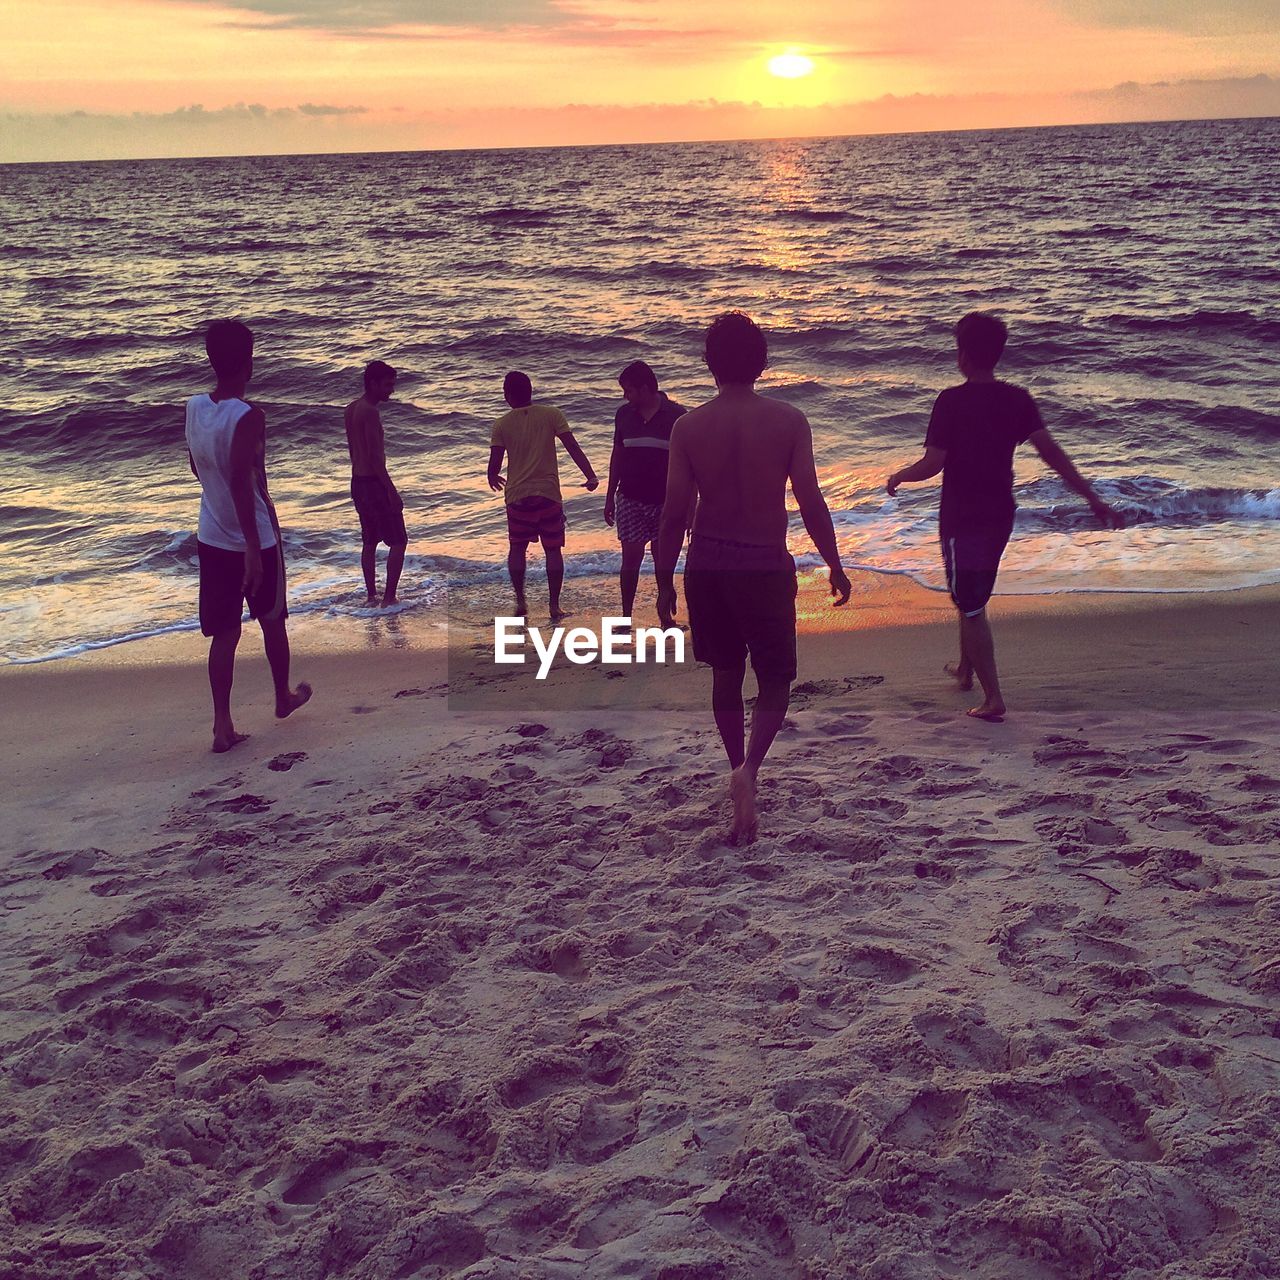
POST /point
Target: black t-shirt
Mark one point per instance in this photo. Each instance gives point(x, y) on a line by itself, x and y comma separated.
point(980, 424)
point(645, 447)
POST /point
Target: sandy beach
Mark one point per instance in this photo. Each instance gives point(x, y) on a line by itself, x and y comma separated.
point(439, 980)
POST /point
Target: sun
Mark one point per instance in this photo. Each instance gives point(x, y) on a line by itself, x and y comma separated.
point(790, 65)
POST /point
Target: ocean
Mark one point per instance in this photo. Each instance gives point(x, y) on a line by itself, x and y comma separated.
point(1135, 265)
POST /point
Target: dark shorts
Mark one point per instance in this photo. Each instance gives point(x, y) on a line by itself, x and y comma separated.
point(535, 520)
point(972, 559)
point(636, 521)
point(736, 611)
point(222, 597)
point(380, 521)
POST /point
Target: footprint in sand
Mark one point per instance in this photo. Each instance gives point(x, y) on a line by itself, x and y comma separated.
point(530, 730)
point(223, 784)
point(284, 762)
point(601, 1060)
point(245, 803)
point(73, 864)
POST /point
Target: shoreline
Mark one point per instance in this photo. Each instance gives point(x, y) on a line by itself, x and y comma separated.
point(879, 600)
point(141, 712)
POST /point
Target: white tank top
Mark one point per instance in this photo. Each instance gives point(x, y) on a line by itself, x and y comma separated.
point(210, 427)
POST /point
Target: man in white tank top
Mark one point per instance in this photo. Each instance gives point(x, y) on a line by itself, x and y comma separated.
point(241, 559)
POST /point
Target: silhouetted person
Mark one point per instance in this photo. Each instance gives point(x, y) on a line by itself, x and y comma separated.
point(377, 501)
point(973, 433)
point(737, 453)
point(527, 437)
point(638, 470)
point(238, 540)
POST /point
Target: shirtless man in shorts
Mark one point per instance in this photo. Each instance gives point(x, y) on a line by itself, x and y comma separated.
point(377, 501)
point(737, 453)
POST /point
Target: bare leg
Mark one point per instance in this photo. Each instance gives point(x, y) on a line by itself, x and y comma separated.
point(516, 568)
point(962, 671)
point(726, 706)
point(369, 567)
point(395, 562)
point(275, 639)
point(629, 578)
point(770, 711)
point(555, 580)
point(222, 666)
point(981, 651)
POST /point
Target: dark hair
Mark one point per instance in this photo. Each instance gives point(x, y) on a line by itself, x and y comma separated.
point(736, 350)
point(981, 337)
point(517, 387)
point(638, 374)
point(229, 346)
point(376, 369)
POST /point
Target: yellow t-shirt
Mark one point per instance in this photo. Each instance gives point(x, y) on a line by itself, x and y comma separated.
point(529, 437)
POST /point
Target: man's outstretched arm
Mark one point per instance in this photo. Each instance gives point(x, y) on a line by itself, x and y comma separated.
point(814, 511)
point(680, 496)
point(496, 454)
point(574, 450)
point(1056, 457)
point(928, 466)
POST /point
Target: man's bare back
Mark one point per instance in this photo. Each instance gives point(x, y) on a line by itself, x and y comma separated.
point(742, 448)
point(365, 438)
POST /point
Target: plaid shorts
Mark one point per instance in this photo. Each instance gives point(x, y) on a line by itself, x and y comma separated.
point(636, 521)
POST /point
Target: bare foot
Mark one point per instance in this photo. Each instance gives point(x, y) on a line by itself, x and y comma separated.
point(742, 791)
point(226, 740)
point(963, 676)
point(522, 607)
point(371, 602)
point(990, 711)
point(388, 601)
point(557, 614)
point(298, 698)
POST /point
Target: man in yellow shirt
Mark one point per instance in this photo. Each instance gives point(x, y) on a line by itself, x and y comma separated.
point(527, 436)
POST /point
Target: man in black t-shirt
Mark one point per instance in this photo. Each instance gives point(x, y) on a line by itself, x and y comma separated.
point(638, 470)
point(973, 433)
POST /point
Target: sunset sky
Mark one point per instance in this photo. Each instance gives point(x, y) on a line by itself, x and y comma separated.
point(83, 79)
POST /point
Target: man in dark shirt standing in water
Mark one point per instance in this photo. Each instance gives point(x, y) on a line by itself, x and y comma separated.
point(973, 433)
point(736, 453)
point(638, 470)
point(377, 501)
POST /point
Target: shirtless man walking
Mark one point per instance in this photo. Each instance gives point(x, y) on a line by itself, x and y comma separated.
point(238, 540)
point(737, 453)
point(378, 503)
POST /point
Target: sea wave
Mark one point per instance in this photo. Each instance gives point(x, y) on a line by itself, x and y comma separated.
point(1247, 323)
point(1144, 326)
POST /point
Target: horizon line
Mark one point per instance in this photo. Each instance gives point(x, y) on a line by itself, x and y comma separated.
point(673, 142)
